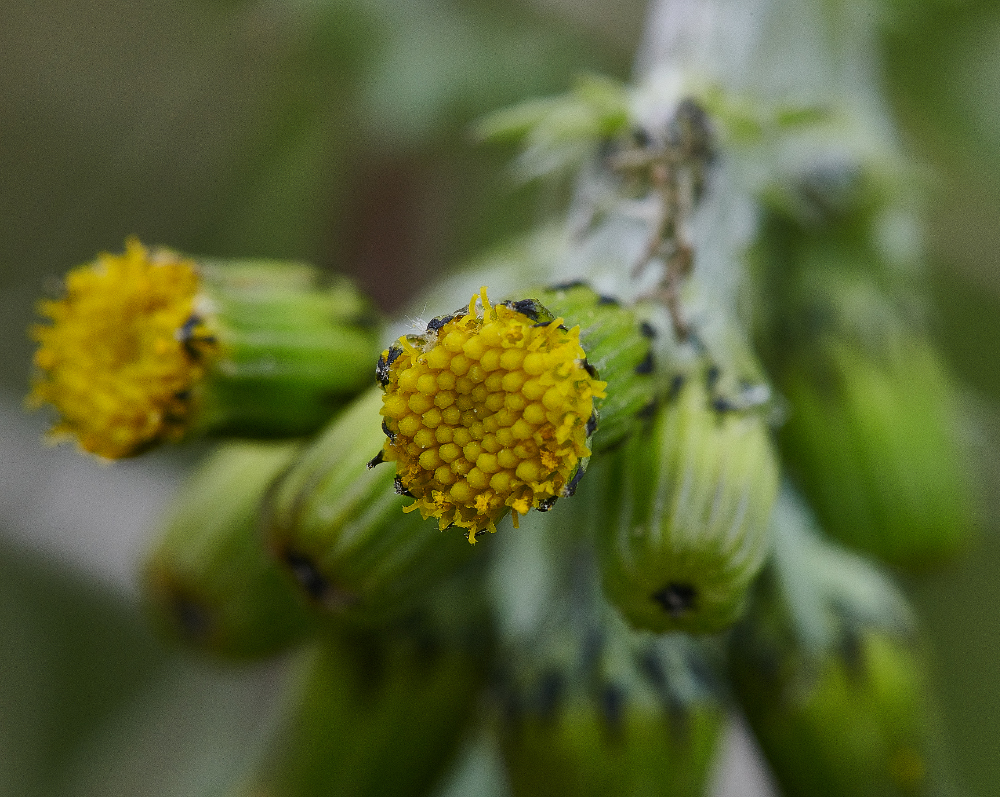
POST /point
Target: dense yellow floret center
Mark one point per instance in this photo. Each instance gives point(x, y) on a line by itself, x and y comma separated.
point(122, 351)
point(489, 413)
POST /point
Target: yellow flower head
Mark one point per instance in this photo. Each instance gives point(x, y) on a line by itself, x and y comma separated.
point(122, 352)
point(490, 410)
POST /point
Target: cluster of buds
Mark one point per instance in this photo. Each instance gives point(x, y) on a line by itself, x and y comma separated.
point(623, 446)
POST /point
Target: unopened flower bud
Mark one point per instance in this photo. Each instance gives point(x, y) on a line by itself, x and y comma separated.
point(373, 714)
point(830, 676)
point(871, 442)
point(601, 709)
point(687, 507)
point(209, 580)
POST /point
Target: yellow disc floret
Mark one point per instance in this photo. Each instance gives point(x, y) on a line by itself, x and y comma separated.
point(122, 351)
point(488, 412)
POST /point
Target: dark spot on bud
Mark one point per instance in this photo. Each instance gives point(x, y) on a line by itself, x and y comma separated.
point(647, 364)
point(610, 301)
point(308, 577)
point(192, 618)
point(527, 307)
point(592, 423)
point(385, 361)
point(591, 649)
point(647, 330)
point(676, 385)
point(677, 600)
point(647, 412)
point(378, 459)
point(591, 371)
point(852, 654)
point(568, 286)
point(435, 324)
point(550, 692)
point(641, 137)
point(613, 707)
point(694, 339)
point(397, 485)
point(388, 432)
point(712, 376)
point(652, 667)
point(691, 131)
point(570, 488)
point(547, 503)
point(190, 341)
point(721, 404)
point(183, 395)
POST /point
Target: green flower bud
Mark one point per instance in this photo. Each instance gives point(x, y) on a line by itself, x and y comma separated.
point(149, 346)
point(871, 430)
point(687, 506)
point(337, 523)
point(376, 715)
point(294, 346)
point(830, 678)
point(594, 708)
point(871, 443)
point(209, 580)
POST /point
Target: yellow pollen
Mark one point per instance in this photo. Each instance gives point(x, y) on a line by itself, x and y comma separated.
point(487, 414)
point(122, 351)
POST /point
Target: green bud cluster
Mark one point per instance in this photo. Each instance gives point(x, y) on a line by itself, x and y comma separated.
point(599, 640)
point(586, 705)
point(374, 714)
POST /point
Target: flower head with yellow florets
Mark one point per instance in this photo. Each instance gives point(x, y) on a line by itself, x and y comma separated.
point(489, 411)
point(122, 352)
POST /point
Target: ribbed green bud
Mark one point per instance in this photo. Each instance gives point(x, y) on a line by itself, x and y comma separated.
point(830, 678)
point(871, 435)
point(337, 523)
point(618, 346)
point(601, 709)
point(687, 506)
point(376, 715)
point(209, 580)
point(293, 346)
point(870, 440)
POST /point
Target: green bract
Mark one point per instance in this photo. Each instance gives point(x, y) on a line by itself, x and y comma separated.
point(294, 347)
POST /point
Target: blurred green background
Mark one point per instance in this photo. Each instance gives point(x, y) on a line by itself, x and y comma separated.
point(338, 131)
